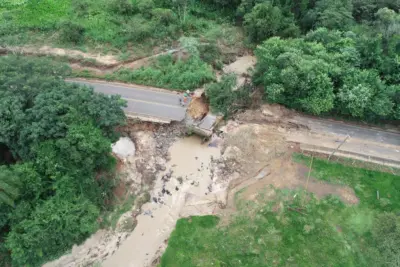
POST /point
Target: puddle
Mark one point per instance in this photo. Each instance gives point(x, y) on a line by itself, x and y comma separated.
point(187, 174)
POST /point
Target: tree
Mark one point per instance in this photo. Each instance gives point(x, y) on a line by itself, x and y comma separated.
point(121, 7)
point(225, 97)
point(61, 134)
point(332, 14)
point(364, 10)
point(355, 99)
point(38, 105)
point(9, 186)
point(182, 8)
point(389, 24)
point(266, 20)
point(53, 227)
point(295, 73)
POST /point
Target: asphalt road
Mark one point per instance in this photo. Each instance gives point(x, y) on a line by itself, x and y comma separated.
point(340, 128)
point(165, 105)
point(142, 101)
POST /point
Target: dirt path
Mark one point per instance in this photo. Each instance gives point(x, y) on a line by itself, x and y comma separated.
point(104, 60)
point(95, 63)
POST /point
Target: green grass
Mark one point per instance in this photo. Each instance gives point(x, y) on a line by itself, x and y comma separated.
point(166, 72)
point(106, 24)
point(296, 229)
point(365, 182)
point(42, 14)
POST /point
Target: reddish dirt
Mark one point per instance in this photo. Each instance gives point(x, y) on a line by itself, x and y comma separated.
point(120, 191)
point(198, 108)
point(284, 173)
point(138, 126)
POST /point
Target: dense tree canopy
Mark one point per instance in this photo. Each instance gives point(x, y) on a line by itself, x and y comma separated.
point(321, 73)
point(60, 136)
point(347, 64)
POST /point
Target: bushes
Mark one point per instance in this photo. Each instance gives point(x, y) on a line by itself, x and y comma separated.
point(138, 29)
point(52, 228)
point(71, 32)
point(164, 16)
point(121, 7)
point(168, 73)
point(222, 97)
point(266, 20)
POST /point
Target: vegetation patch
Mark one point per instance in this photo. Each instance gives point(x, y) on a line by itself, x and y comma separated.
point(297, 229)
point(376, 190)
point(167, 72)
point(56, 167)
point(116, 24)
point(224, 98)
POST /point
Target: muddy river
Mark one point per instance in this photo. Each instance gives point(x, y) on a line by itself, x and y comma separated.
point(187, 174)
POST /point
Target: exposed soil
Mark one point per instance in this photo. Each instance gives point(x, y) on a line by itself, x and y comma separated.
point(241, 66)
point(285, 174)
point(198, 108)
point(96, 64)
point(104, 60)
point(263, 158)
point(267, 113)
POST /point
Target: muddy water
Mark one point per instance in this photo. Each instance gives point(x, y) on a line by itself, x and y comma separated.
point(190, 166)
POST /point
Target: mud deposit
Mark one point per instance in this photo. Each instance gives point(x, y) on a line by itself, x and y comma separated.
point(187, 174)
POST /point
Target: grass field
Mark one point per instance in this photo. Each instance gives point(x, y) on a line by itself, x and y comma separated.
point(301, 230)
point(116, 25)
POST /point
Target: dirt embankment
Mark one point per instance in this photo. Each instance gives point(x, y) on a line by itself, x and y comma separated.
point(97, 64)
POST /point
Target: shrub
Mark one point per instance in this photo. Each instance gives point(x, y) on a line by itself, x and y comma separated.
point(144, 7)
point(210, 53)
point(222, 97)
point(266, 20)
point(71, 32)
point(122, 7)
point(138, 29)
point(164, 16)
point(80, 8)
point(168, 73)
point(53, 227)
